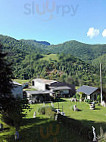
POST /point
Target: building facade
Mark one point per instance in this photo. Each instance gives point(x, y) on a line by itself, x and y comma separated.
point(17, 90)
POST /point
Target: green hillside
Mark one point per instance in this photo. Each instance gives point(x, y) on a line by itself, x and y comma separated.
point(86, 52)
point(50, 57)
point(64, 62)
point(96, 63)
point(83, 51)
point(101, 59)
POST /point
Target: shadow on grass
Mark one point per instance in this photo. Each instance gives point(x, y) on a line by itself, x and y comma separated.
point(29, 121)
point(47, 130)
point(82, 127)
point(96, 109)
point(60, 100)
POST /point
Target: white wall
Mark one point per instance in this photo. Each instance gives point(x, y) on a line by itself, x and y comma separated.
point(17, 91)
point(88, 97)
point(39, 85)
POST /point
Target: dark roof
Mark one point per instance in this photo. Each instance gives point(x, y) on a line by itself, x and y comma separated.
point(63, 84)
point(62, 88)
point(88, 90)
point(37, 92)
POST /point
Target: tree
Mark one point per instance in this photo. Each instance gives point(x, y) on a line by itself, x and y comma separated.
point(5, 80)
point(11, 108)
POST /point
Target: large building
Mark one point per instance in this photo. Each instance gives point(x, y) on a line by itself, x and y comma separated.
point(42, 84)
point(49, 88)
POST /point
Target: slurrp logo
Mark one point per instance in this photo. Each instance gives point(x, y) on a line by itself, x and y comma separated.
point(50, 132)
point(49, 9)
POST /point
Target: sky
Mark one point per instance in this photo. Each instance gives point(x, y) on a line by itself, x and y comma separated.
point(55, 21)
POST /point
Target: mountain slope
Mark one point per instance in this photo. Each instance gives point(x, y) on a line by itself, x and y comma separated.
point(34, 42)
point(32, 59)
point(21, 45)
point(86, 52)
point(83, 51)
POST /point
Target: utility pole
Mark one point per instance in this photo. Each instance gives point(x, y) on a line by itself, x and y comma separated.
point(101, 81)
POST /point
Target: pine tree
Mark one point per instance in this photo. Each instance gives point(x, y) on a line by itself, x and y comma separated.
point(11, 108)
point(5, 80)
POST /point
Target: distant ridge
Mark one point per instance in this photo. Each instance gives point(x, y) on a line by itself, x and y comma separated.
point(35, 41)
point(86, 52)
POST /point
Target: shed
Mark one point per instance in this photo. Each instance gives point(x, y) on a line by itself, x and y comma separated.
point(17, 90)
point(89, 91)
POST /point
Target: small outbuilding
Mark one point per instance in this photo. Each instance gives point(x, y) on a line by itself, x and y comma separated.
point(89, 92)
point(17, 90)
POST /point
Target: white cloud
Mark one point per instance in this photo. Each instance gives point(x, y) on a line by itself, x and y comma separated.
point(92, 32)
point(104, 33)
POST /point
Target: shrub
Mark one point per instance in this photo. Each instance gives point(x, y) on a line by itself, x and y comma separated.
point(48, 110)
point(98, 98)
point(41, 110)
point(77, 96)
point(74, 96)
point(88, 101)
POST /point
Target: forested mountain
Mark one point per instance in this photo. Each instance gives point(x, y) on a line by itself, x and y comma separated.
point(15, 46)
point(86, 52)
point(29, 60)
point(101, 59)
point(96, 63)
point(34, 42)
point(67, 68)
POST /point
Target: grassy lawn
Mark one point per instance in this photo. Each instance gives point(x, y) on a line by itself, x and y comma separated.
point(21, 81)
point(51, 56)
point(31, 129)
point(29, 89)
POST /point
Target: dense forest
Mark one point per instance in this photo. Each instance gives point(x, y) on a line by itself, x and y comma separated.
point(74, 62)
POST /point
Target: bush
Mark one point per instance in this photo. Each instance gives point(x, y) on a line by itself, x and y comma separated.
point(98, 98)
point(41, 110)
point(48, 110)
point(74, 96)
point(88, 101)
point(77, 96)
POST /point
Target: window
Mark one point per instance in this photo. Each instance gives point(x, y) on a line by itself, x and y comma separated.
point(33, 83)
point(47, 87)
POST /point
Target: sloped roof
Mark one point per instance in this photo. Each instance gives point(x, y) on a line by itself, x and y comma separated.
point(59, 85)
point(37, 92)
point(16, 83)
point(46, 81)
point(62, 88)
point(88, 90)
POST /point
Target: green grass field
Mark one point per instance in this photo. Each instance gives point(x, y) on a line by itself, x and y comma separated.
point(21, 81)
point(50, 57)
point(31, 129)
